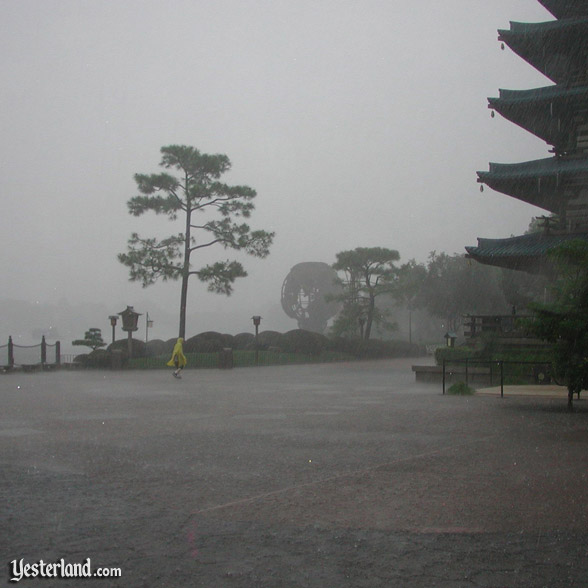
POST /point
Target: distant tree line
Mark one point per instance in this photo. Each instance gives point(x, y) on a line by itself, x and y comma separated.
point(447, 287)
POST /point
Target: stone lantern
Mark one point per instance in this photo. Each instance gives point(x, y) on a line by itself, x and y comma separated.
point(130, 322)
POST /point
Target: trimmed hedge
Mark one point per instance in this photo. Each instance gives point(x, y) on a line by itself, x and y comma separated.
point(301, 341)
point(200, 344)
point(266, 339)
point(139, 348)
point(99, 358)
point(157, 347)
point(243, 340)
point(273, 348)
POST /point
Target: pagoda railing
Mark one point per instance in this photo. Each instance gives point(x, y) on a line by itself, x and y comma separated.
point(507, 325)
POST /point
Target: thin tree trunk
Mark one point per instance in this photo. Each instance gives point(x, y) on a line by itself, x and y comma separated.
point(183, 303)
point(570, 398)
point(370, 318)
point(186, 268)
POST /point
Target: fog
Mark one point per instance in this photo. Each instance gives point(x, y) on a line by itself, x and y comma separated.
point(358, 123)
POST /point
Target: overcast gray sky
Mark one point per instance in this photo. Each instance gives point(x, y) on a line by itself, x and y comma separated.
point(359, 123)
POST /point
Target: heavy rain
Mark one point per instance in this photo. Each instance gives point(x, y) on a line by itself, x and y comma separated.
point(241, 343)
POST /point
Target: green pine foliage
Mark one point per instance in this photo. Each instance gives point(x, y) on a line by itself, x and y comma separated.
point(92, 338)
point(209, 213)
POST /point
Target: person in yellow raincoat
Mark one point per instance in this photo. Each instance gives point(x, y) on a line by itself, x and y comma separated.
point(178, 359)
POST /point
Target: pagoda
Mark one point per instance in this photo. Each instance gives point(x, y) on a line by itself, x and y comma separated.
point(557, 114)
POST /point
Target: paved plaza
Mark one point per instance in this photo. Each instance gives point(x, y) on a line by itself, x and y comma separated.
point(326, 476)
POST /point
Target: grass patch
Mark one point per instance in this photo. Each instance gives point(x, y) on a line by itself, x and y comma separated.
point(460, 389)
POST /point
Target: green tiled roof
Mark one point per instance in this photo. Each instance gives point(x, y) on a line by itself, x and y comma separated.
point(566, 8)
point(546, 94)
point(538, 182)
point(543, 28)
point(526, 252)
point(550, 113)
point(537, 43)
point(557, 114)
point(549, 166)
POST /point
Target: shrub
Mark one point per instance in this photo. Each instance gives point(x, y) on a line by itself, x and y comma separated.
point(200, 344)
point(156, 347)
point(224, 339)
point(267, 339)
point(209, 335)
point(243, 340)
point(138, 347)
point(301, 341)
point(99, 358)
point(460, 389)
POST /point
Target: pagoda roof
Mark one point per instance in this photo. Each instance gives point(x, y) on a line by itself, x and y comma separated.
point(546, 112)
point(566, 8)
point(557, 49)
point(526, 252)
point(542, 182)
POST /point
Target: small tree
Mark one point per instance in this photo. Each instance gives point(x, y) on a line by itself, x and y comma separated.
point(369, 272)
point(207, 208)
point(92, 338)
point(564, 322)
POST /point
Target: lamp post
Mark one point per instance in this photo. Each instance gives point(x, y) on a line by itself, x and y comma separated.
point(256, 321)
point(148, 325)
point(113, 318)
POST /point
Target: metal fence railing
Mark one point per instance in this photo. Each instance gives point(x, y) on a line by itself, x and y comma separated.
point(497, 372)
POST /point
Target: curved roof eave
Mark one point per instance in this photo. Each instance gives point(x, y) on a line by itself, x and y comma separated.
point(537, 182)
point(539, 43)
point(524, 252)
point(546, 112)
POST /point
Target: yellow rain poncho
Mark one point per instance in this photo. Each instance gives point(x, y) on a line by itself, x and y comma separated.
point(178, 359)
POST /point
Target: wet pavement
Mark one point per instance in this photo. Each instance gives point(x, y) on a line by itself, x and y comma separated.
point(336, 475)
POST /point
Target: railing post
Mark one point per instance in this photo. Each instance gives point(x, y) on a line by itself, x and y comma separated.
point(58, 353)
point(501, 379)
point(443, 377)
point(43, 350)
point(466, 373)
point(10, 352)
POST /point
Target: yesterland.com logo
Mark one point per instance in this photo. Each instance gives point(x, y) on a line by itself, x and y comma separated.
point(18, 570)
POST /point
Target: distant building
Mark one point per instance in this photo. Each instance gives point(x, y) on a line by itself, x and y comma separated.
point(558, 114)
